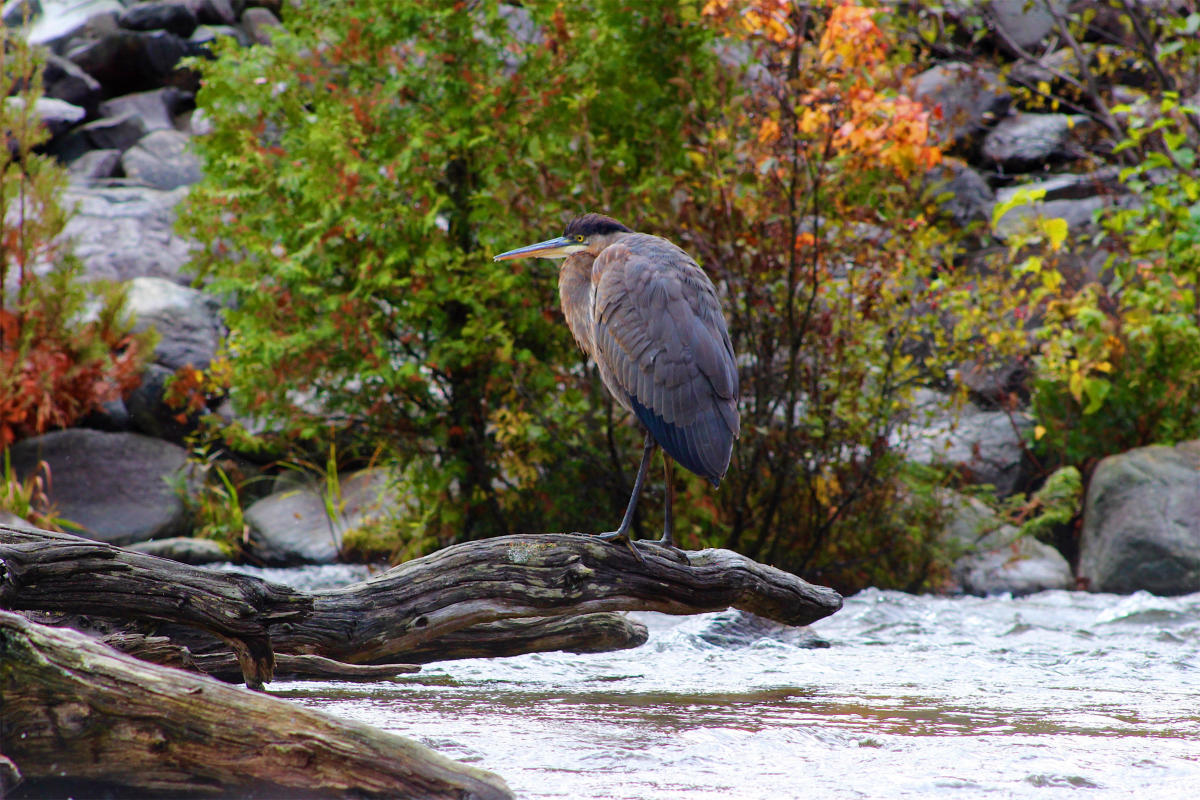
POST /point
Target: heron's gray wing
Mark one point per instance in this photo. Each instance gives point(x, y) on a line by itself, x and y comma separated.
point(661, 338)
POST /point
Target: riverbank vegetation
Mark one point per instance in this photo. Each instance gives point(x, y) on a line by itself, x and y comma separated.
point(362, 170)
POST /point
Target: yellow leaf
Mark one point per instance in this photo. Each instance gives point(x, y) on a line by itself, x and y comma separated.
point(1056, 231)
point(1038, 432)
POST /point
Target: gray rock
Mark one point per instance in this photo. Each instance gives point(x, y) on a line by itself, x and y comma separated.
point(1071, 186)
point(112, 485)
point(71, 20)
point(1141, 522)
point(1079, 214)
point(151, 414)
point(184, 549)
point(735, 629)
point(162, 160)
point(63, 80)
point(292, 527)
point(213, 12)
point(260, 24)
point(1024, 22)
point(114, 133)
point(1028, 141)
point(969, 199)
point(95, 165)
point(983, 446)
point(155, 108)
point(13, 521)
point(129, 61)
point(996, 559)
point(174, 17)
point(187, 321)
point(125, 232)
point(968, 97)
point(16, 13)
point(206, 35)
point(56, 115)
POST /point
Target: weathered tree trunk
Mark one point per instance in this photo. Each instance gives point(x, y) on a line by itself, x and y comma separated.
point(464, 601)
point(411, 607)
point(44, 571)
point(76, 709)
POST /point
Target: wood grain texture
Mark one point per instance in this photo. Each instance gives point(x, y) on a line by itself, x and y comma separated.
point(44, 571)
point(75, 708)
point(415, 604)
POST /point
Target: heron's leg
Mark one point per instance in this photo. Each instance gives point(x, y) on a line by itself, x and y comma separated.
point(668, 538)
point(621, 534)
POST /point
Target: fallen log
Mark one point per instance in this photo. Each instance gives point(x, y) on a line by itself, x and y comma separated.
point(417, 604)
point(44, 571)
point(80, 717)
point(459, 602)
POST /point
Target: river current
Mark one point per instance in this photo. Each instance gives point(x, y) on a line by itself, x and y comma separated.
point(1054, 695)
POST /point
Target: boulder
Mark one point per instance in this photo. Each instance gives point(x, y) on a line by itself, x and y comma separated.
point(161, 159)
point(293, 527)
point(734, 630)
point(16, 13)
point(125, 232)
point(113, 133)
point(156, 108)
point(63, 80)
point(151, 414)
point(1023, 22)
point(968, 197)
point(213, 12)
point(966, 98)
point(1028, 141)
point(986, 447)
point(1080, 214)
point(187, 320)
point(129, 61)
point(174, 17)
point(69, 21)
point(184, 549)
point(1141, 522)
point(113, 486)
point(95, 165)
point(56, 115)
point(995, 558)
point(260, 24)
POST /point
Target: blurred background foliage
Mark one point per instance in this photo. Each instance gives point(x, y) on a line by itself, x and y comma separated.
point(362, 171)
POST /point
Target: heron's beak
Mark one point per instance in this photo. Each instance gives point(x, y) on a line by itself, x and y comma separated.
point(559, 247)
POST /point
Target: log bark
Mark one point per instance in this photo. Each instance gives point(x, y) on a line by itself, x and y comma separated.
point(417, 604)
point(75, 707)
point(584, 633)
point(460, 602)
point(44, 571)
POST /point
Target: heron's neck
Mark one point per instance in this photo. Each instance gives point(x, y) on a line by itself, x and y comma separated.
point(575, 294)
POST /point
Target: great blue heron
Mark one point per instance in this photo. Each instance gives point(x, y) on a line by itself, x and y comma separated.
point(649, 317)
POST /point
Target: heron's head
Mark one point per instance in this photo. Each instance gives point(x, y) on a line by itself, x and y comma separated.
point(591, 233)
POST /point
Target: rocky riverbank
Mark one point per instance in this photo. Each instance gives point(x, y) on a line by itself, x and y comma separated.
point(121, 105)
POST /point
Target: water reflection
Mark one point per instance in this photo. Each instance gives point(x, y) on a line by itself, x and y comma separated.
point(915, 697)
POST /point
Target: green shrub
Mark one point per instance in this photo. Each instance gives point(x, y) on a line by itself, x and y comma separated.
point(1118, 360)
point(64, 349)
point(362, 172)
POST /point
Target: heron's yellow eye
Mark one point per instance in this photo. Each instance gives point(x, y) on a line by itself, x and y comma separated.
point(579, 237)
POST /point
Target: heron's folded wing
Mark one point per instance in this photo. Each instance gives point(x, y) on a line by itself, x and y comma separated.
point(662, 339)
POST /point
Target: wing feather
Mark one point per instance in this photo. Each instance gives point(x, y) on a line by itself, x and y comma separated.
point(664, 350)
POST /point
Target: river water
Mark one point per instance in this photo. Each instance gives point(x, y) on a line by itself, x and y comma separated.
point(1054, 695)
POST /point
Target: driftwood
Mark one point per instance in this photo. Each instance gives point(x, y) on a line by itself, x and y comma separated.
point(43, 571)
point(465, 601)
point(416, 604)
point(76, 708)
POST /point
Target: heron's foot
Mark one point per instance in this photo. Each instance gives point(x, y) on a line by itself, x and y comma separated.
point(619, 537)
